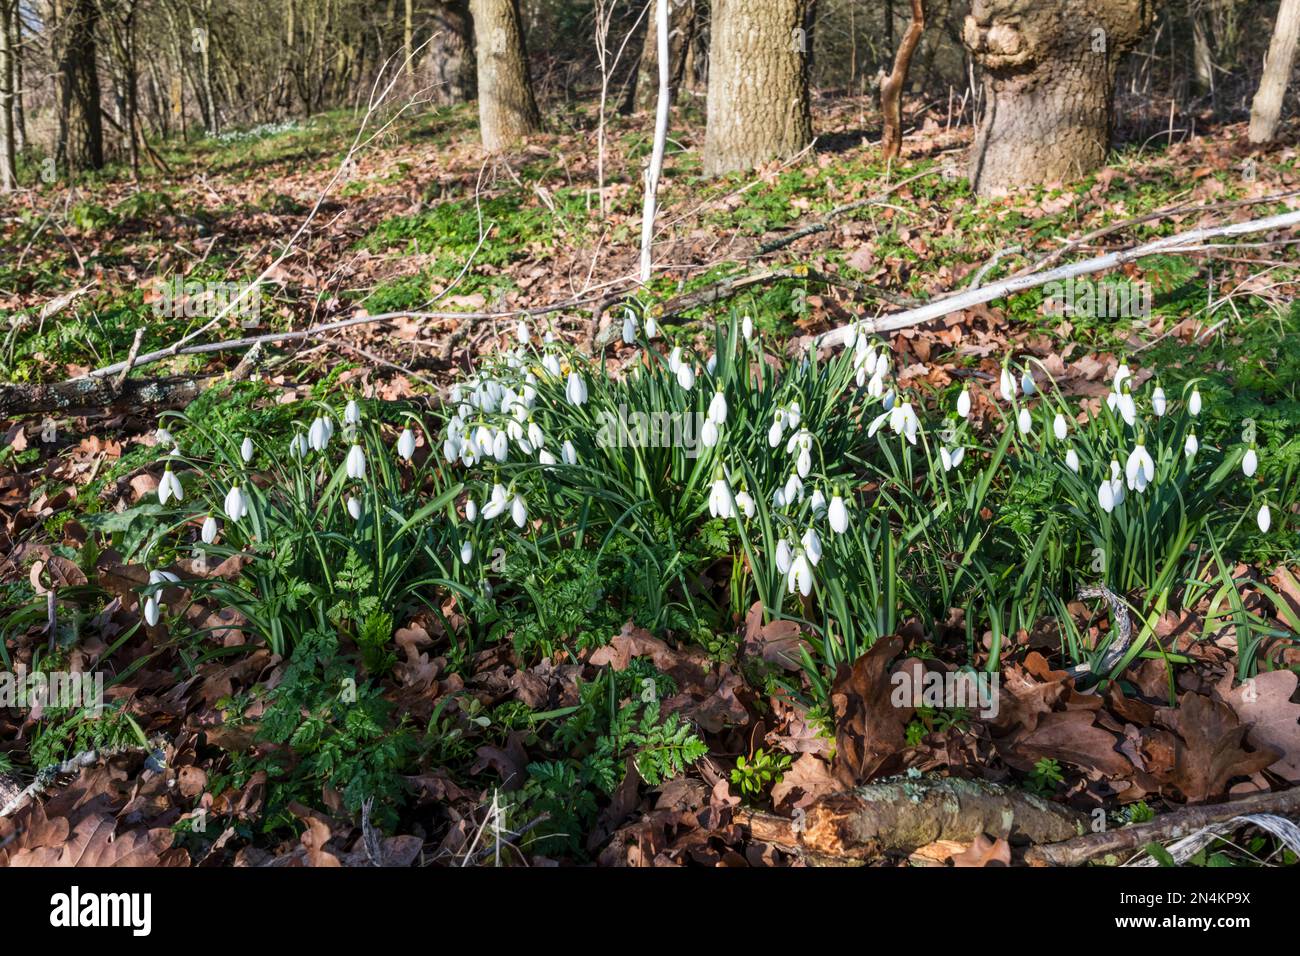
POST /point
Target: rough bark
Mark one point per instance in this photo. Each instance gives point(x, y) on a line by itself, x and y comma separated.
point(758, 84)
point(81, 132)
point(507, 110)
point(642, 95)
point(8, 163)
point(891, 91)
point(1049, 78)
point(1266, 110)
point(449, 65)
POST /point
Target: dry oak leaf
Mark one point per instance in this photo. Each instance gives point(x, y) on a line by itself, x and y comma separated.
point(804, 782)
point(1210, 753)
point(1069, 736)
point(869, 730)
point(1264, 703)
point(94, 843)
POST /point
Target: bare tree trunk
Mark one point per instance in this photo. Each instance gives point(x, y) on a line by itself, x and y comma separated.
point(507, 110)
point(8, 152)
point(408, 39)
point(1266, 110)
point(1049, 78)
point(891, 91)
point(642, 95)
point(16, 45)
point(758, 84)
point(81, 132)
point(450, 58)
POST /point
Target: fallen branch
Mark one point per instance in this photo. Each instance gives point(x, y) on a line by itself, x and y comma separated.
point(825, 222)
point(84, 394)
point(904, 815)
point(947, 305)
point(1169, 826)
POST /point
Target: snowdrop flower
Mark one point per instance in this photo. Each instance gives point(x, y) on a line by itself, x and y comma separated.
point(793, 490)
point(151, 611)
point(519, 511)
point(675, 359)
point(522, 334)
point(466, 552)
point(1191, 446)
point(951, 458)
point(1027, 384)
point(747, 327)
point(209, 532)
point(1194, 403)
point(1024, 421)
point(803, 460)
point(1159, 403)
point(799, 576)
point(963, 403)
point(812, 545)
point(163, 577)
point(1264, 518)
point(535, 436)
point(500, 446)
point(1139, 470)
point(793, 415)
point(783, 556)
point(686, 377)
point(163, 437)
point(576, 390)
point(1249, 464)
point(1060, 427)
point(1072, 460)
point(651, 327)
point(778, 498)
point(551, 363)
point(837, 515)
point(778, 428)
point(352, 413)
point(318, 436)
point(236, 504)
point(354, 507)
point(817, 502)
point(496, 503)
point(471, 510)
point(709, 433)
point(720, 499)
point(356, 463)
point(876, 387)
point(298, 445)
point(1106, 496)
point(629, 329)
point(746, 504)
point(568, 453)
point(246, 449)
point(545, 457)
point(1007, 385)
point(406, 444)
point(718, 408)
point(170, 487)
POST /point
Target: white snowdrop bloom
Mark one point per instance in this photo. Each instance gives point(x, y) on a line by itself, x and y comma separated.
point(1249, 465)
point(876, 387)
point(888, 400)
point(812, 545)
point(1060, 427)
point(1159, 403)
point(545, 457)
point(1024, 421)
point(711, 366)
point(837, 515)
point(471, 510)
point(535, 436)
point(1191, 446)
point(747, 327)
point(1072, 460)
point(406, 444)
point(500, 446)
point(318, 435)
point(451, 448)
point(1106, 496)
point(746, 504)
point(817, 502)
point(1140, 469)
point(1122, 372)
point(496, 502)
point(151, 610)
point(209, 532)
point(783, 556)
point(163, 437)
point(803, 462)
point(1007, 385)
point(799, 576)
point(1128, 408)
point(352, 413)
point(354, 507)
point(1194, 403)
point(246, 449)
point(163, 577)
point(483, 440)
point(951, 458)
point(629, 329)
point(551, 363)
point(519, 511)
point(1027, 383)
point(686, 377)
point(568, 453)
point(675, 359)
point(709, 433)
point(651, 327)
point(793, 490)
point(778, 498)
point(298, 445)
point(576, 390)
point(466, 552)
point(720, 499)
point(718, 408)
point(963, 403)
point(236, 505)
point(170, 487)
point(1264, 518)
point(522, 335)
point(778, 428)
point(793, 415)
point(356, 463)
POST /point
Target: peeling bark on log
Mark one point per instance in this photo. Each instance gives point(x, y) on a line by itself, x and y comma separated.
point(903, 815)
point(96, 393)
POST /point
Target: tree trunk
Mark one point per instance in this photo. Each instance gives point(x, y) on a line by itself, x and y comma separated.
point(758, 84)
point(643, 94)
point(449, 65)
point(507, 110)
point(81, 133)
point(1049, 76)
point(1266, 110)
point(8, 151)
point(16, 45)
point(891, 91)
